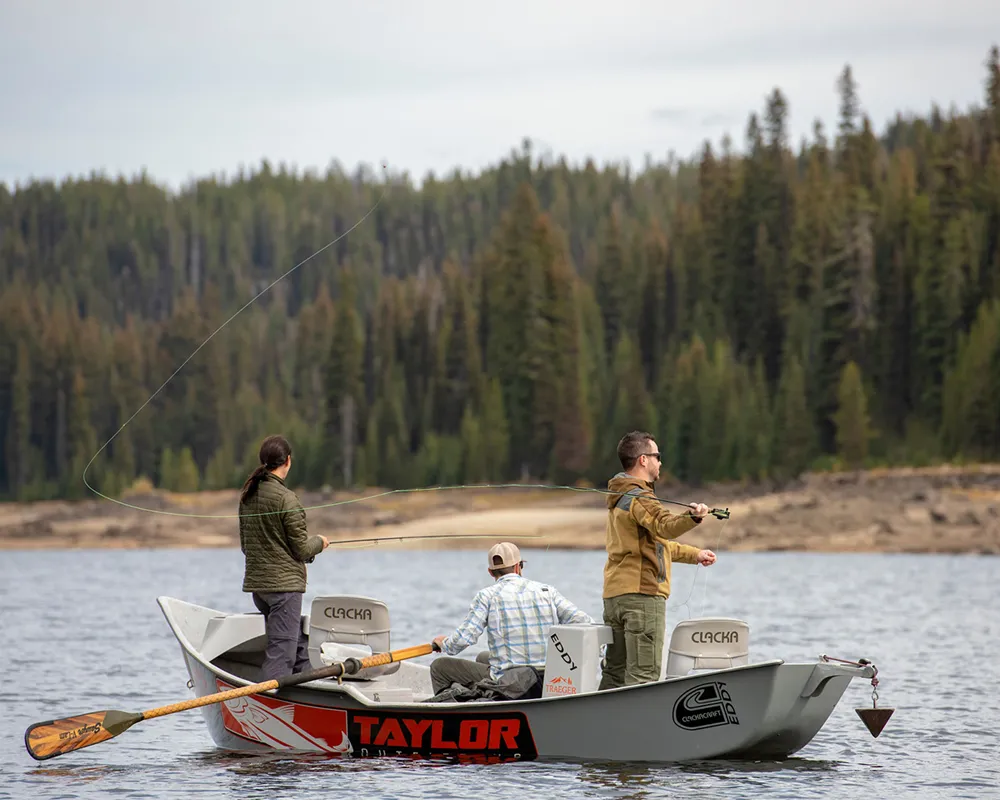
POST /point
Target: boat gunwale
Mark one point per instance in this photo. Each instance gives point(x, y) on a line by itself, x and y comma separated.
point(357, 695)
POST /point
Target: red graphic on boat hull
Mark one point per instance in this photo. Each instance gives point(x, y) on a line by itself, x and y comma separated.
point(286, 726)
point(481, 737)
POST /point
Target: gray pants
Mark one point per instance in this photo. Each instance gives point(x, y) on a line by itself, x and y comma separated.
point(446, 670)
point(287, 646)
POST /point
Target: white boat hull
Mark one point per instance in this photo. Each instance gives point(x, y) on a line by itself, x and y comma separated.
point(762, 710)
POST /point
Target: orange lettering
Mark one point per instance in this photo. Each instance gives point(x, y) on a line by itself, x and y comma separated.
point(437, 728)
point(505, 729)
point(479, 727)
point(390, 728)
point(366, 724)
point(417, 730)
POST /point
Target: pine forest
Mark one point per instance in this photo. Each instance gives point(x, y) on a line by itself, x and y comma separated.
point(764, 309)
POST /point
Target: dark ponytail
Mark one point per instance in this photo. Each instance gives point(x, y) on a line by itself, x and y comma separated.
point(274, 451)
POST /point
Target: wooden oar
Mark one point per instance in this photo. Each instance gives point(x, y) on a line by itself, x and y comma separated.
point(56, 737)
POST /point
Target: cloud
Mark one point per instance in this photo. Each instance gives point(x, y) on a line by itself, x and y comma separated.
point(692, 117)
point(719, 120)
point(668, 114)
point(191, 87)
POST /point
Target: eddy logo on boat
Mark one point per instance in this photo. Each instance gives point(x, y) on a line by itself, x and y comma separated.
point(506, 736)
point(560, 685)
point(705, 706)
point(286, 726)
point(563, 654)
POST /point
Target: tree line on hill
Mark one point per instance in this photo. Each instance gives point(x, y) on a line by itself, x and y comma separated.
point(762, 313)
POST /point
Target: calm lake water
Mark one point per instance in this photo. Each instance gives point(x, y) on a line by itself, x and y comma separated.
point(81, 631)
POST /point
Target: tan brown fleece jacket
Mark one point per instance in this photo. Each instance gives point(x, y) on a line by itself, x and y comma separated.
point(636, 537)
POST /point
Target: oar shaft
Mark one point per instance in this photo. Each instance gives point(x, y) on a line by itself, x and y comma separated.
point(209, 699)
point(350, 666)
point(380, 659)
point(45, 740)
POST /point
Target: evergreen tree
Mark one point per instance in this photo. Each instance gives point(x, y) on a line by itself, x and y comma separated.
point(186, 475)
point(168, 470)
point(514, 285)
point(19, 426)
point(512, 323)
point(970, 422)
point(344, 411)
point(853, 432)
point(794, 432)
point(82, 439)
point(496, 432)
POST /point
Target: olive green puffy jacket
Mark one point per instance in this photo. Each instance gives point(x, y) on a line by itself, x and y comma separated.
point(277, 546)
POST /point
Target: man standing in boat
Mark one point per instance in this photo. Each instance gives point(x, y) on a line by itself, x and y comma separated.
point(277, 547)
point(515, 612)
point(637, 572)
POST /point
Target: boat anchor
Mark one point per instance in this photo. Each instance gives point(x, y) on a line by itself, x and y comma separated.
point(874, 718)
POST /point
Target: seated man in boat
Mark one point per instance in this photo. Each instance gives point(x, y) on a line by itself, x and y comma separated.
point(515, 612)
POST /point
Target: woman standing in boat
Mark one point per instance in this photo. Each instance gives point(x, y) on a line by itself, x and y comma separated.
point(277, 547)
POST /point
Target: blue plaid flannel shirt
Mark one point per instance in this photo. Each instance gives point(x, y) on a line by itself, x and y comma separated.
point(516, 613)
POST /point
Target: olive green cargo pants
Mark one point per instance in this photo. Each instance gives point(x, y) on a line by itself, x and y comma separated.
point(635, 654)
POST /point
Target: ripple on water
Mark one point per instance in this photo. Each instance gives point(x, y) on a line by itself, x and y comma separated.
point(897, 610)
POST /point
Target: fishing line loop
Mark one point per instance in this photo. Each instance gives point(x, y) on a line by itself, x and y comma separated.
point(210, 337)
point(719, 513)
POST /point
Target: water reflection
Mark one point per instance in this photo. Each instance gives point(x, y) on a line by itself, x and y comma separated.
point(264, 764)
point(631, 781)
point(727, 768)
point(77, 772)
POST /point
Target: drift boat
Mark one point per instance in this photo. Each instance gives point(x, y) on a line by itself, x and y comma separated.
point(711, 703)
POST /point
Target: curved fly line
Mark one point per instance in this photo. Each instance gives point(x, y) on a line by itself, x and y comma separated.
point(207, 340)
point(719, 513)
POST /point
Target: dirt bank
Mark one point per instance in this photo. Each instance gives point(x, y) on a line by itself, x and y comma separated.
point(940, 509)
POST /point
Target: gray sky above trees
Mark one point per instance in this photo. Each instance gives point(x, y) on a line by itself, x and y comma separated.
point(187, 88)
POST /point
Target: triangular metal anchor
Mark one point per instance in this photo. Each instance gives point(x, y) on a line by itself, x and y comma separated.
point(874, 718)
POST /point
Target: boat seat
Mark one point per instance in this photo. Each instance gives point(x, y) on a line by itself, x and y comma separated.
point(349, 625)
point(707, 643)
point(233, 633)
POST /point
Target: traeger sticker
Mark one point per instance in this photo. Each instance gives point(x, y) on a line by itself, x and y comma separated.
point(482, 736)
point(560, 685)
point(706, 706)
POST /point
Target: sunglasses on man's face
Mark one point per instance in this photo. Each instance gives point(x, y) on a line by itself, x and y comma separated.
point(653, 455)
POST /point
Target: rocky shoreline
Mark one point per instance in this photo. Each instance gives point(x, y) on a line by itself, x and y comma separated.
point(946, 509)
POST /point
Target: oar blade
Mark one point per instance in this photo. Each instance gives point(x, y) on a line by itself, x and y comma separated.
point(53, 738)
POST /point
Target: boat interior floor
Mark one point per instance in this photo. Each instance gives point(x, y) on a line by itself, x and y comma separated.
point(410, 683)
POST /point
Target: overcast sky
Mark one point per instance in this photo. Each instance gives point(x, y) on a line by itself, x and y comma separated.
point(186, 88)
